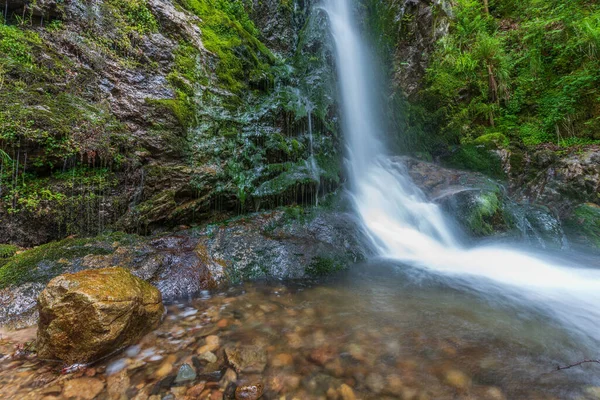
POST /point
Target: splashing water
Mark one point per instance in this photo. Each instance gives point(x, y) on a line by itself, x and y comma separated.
point(405, 226)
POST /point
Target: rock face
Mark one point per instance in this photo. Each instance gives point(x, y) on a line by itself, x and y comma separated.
point(89, 314)
point(560, 182)
point(483, 206)
point(292, 243)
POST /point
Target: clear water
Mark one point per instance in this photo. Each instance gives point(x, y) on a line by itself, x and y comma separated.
point(406, 227)
point(385, 329)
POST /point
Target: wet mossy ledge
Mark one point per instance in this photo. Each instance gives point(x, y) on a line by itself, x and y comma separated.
point(283, 244)
point(105, 111)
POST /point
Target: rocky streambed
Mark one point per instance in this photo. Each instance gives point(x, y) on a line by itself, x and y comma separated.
point(371, 333)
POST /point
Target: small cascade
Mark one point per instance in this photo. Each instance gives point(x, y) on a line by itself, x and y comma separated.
point(405, 226)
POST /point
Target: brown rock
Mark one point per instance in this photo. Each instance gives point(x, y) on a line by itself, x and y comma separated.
point(117, 385)
point(247, 358)
point(249, 392)
point(322, 355)
point(89, 314)
point(282, 360)
point(457, 380)
point(83, 388)
point(346, 392)
point(195, 391)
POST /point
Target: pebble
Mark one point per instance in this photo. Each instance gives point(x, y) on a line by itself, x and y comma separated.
point(185, 373)
point(117, 366)
point(282, 360)
point(117, 385)
point(166, 367)
point(249, 392)
point(457, 380)
point(346, 392)
point(195, 391)
point(375, 382)
point(208, 356)
point(83, 388)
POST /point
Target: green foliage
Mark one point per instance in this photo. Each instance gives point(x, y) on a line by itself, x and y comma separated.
point(16, 45)
point(8, 250)
point(229, 33)
point(529, 71)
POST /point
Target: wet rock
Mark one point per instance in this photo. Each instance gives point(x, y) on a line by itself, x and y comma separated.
point(282, 360)
point(375, 382)
point(457, 380)
point(247, 358)
point(322, 355)
point(83, 388)
point(166, 367)
point(208, 356)
point(249, 392)
point(117, 385)
point(90, 314)
point(195, 391)
point(185, 373)
point(346, 392)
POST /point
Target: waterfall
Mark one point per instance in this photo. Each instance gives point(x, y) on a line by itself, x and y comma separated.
point(405, 226)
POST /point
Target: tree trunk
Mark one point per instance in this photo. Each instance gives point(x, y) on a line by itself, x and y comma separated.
point(486, 7)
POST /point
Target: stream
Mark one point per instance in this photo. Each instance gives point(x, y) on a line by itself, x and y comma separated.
point(379, 330)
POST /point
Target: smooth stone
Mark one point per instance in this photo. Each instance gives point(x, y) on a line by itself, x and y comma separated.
point(457, 379)
point(117, 385)
point(208, 356)
point(247, 358)
point(346, 392)
point(186, 373)
point(249, 392)
point(83, 388)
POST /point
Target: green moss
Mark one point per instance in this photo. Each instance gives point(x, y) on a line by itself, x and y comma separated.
point(44, 262)
point(322, 266)
point(8, 250)
point(492, 141)
point(476, 158)
point(486, 216)
point(229, 33)
point(584, 224)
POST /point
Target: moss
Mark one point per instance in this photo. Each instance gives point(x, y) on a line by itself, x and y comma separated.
point(322, 266)
point(229, 33)
point(476, 158)
point(584, 225)
point(492, 141)
point(8, 250)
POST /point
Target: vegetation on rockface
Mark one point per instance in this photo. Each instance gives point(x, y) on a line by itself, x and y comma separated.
point(79, 151)
point(584, 225)
point(44, 262)
point(527, 71)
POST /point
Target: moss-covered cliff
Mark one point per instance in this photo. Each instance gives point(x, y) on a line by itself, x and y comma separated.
point(150, 113)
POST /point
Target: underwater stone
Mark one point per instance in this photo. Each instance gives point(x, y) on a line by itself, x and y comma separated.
point(186, 373)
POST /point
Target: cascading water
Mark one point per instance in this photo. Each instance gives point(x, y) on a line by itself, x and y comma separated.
point(405, 226)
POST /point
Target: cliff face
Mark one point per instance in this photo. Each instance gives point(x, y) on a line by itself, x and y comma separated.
point(147, 113)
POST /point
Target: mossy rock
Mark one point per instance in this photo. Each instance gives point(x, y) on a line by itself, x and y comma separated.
point(583, 226)
point(44, 262)
point(90, 314)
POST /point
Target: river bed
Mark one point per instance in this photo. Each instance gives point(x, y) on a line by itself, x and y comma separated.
point(380, 330)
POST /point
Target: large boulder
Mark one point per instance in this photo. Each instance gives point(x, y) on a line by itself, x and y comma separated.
point(90, 314)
